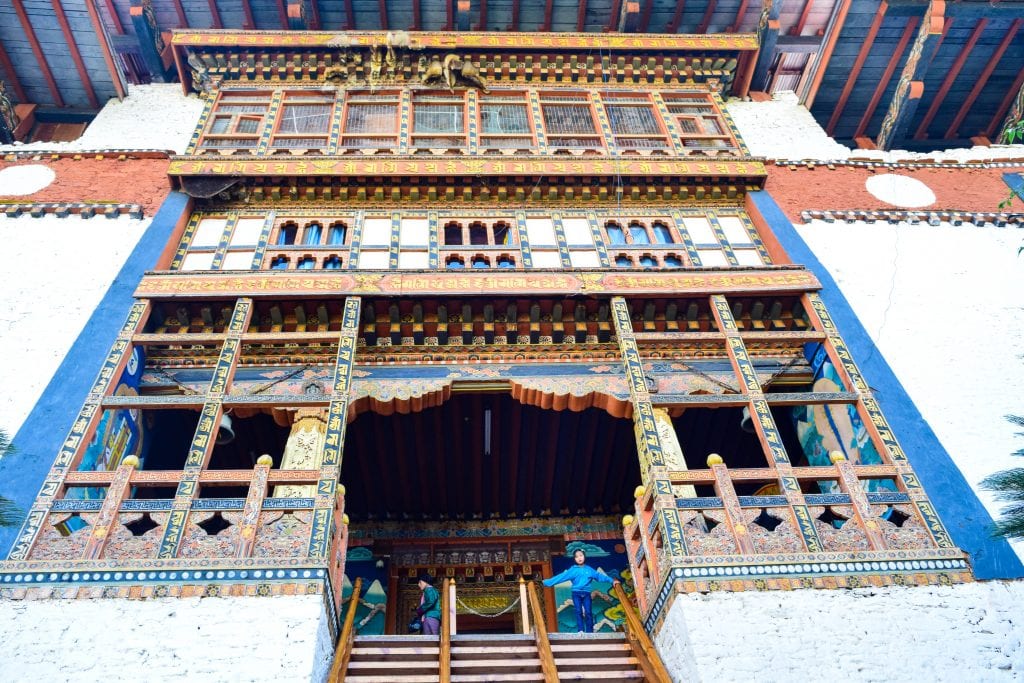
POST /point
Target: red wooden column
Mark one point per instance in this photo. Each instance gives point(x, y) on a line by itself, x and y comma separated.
point(119, 489)
point(253, 506)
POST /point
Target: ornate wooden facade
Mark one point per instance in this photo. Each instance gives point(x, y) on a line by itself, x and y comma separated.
point(563, 222)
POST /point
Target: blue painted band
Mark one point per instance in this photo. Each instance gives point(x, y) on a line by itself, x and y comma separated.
point(967, 520)
point(37, 442)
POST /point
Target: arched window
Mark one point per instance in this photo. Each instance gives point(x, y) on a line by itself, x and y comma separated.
point(647, 261)
point(623, 261)
point(332, 263)
point(615, 233)
point(481, 262)
point(672, 261)
point(638, 234)
point(279, 263)
point(306, 263)
point(286, 235)
point(662, 235)
point(502, 234)
point(453, 234)
point(477, 233)
point(336, 234)
point(312, 234)
point(506, 262)
point(455, 263)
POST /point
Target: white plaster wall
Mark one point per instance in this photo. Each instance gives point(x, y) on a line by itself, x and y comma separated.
point(945, 306)
point(56, 271)
point(784, 129)
point(969, 632)
point(283, 639)
point(130, 124)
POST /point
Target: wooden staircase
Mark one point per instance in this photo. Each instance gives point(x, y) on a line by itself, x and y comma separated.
point(475, 658)
point(467, 658)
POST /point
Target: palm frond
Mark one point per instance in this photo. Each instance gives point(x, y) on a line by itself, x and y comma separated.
point(10, 514)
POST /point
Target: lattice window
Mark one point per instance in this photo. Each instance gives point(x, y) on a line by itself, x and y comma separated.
point(438, 121)
point(370, 120)
point(304, 122)
point(634, 122)
point(236, 121)
point(569, 121)
point(505, 122)
point(700, 123)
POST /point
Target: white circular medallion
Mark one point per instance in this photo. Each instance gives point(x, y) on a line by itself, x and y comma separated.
point(22, 180)
point(900, 190)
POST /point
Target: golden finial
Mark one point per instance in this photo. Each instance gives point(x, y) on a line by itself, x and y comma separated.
point(627, 520)
point(265, 459)
point(131, 461)
point(715, 459)
point(836, 456)
point(639, 491)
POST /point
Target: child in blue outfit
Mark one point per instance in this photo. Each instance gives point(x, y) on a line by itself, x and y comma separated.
point(581, 575)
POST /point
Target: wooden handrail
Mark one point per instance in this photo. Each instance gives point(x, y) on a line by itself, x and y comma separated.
point(640, 642)
point(344, 650)
point(547, 659)
point(444, 661)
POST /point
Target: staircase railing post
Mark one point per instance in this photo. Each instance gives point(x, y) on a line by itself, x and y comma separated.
point(344, 649)
point(547, 659)
point(452, 612)
point(524, 607)
point(444, 660)
point(644, 650)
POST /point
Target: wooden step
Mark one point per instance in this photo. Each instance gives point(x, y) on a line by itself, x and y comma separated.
point(589, 649)
point(495, 666)
point(481, 678)
point(494, 651)
point(394, 679)
point(393, 667)
point(595, 663)
point(396, 641)
point(609, 676)
point(429, 651)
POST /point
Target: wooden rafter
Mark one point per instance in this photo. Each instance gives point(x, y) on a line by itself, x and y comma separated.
point(214, 14)
point(108, 57)
point(76, 56)
point(613, 16)
point(314, 18)
point(415, 16)
point(858, 64)
point(549, 13)
point(825, 54)
point(350, 16)
point(645, 15)
point(883, 83)
point(11, 74)
point(179, 9)
point(482, 25)
point(947, 82)
point(250, 23)
point(581, 16)
point(798, 27)
point(677, 18)
point(996, 124)
point(739, 17)
point(514, 23)
point(37, 50)
point(282, 14)
point(114, 19)
point(708, 14)
point(382, 10)
point(982, 79)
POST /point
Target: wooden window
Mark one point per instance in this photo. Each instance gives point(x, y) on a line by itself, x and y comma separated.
point(336, 234)
point(236, 121)
point(634, 123)
point(569, 121)
point(701, 125)
point(286, 234)
point(304, 122)
point(505, 123)
point(370, 120)
point(438, 121)
point(312, 234)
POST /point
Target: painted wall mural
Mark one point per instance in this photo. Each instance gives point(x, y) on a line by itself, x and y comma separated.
point(608, 613)
point(373, 599)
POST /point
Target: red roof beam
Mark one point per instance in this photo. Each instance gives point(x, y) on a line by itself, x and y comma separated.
point(739, 17)
point(549, 13)
point(706, 19)
point(947, 82)
point(581, 16)
point(482, 25)
point(180, 11)
point(645, 16)
point(1004, 106)
point(613, 16)
point(37, 50)
point(11, 75)
point(798, 27)
point(858, 64)
point(282, 14)
point(108, 57)
point(76, 56)
point(382, 9)
point(982, 79)
point(114, 19)
point(215, 14)
point(677, 18)
point(250, 22)
point(883, 83)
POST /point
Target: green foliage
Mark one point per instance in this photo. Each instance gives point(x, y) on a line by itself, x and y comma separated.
point(10, 514)
point(1009, 488)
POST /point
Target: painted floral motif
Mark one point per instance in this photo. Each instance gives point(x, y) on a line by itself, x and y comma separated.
point(783, 539)
point(913, 533)
point(64, 536)
point(198, 542)
point(282, 534)
point(124, 545)
point(848, 536)
point(707, 533)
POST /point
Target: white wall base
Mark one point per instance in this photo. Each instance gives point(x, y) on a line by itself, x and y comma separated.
point(967, 632)
point(284, 639)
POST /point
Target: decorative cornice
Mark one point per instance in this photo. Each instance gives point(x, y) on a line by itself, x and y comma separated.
point(934, 218)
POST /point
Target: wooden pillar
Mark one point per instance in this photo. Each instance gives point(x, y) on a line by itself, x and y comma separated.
point(730, 504)
point(334, 440)
point(850, 485)
point(764, 423)
point(910, 87)
point(206, 430)
point(253, 506)
point(768, 37)
point(147, 33)
point(81, 430)
point(874, 421)
point(119, 489)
